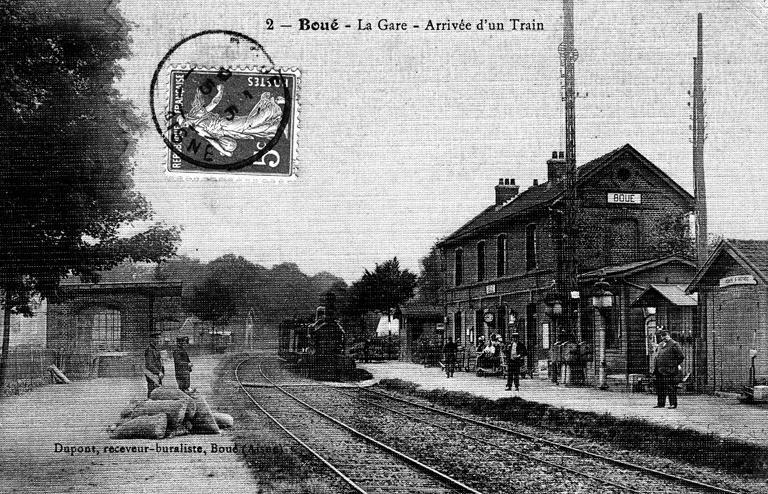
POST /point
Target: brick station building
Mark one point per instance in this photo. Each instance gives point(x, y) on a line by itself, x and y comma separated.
point(108, 323)
point(508, 260)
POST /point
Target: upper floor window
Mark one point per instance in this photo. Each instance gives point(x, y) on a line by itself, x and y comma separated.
point(480, 260)
point(622, 241)
point(458, 267)
point(530, 247)
point(501, 255)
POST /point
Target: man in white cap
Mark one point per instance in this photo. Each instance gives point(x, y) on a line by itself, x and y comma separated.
point(668, 357)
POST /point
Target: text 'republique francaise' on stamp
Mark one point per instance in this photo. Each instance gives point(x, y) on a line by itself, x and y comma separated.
point(226, 121)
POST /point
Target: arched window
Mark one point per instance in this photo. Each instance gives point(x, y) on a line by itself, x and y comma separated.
point(530, 247)
point(501, 255)
point(458, 267)
point(481, 260)
point(106, 332)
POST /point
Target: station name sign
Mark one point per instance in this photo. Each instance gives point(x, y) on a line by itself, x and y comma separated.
point(624, 198)
point(743, 279)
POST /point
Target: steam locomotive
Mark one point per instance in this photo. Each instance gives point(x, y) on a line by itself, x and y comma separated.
point(317, 347)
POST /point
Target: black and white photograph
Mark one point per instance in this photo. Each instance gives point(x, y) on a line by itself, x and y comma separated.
point(356, 247)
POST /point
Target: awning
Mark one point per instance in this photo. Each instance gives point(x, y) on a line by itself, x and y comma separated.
point(661, 295)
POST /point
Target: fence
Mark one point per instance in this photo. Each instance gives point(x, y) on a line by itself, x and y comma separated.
point(28, 367)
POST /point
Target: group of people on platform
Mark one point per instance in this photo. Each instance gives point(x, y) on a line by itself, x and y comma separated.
point(514, 354)
point(667, 361)
point(154, 370)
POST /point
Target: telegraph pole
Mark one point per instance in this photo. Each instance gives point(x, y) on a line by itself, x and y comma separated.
point(698, 150)
point(568, 57)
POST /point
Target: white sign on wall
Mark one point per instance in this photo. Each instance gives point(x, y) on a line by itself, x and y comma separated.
point(624, 198)
point(490, 289)
point(545, 335)
point(742, 279)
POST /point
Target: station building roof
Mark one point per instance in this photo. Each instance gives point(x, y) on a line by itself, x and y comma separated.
point(548, 193)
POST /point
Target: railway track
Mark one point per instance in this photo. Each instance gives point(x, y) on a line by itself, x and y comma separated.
point(478, 427)
point(362, 462)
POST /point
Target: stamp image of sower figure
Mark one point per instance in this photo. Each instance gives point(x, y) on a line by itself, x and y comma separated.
point(223, 133)
point(222, 119)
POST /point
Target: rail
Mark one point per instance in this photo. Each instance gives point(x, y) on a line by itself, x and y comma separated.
point(565, 447)
point(445, 479)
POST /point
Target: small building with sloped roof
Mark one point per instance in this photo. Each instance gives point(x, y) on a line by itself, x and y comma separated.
point(733, 294)
point(504, 270)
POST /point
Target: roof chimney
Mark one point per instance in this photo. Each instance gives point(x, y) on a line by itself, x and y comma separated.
point(535, 182)
point(556, 167)
point(506, 190)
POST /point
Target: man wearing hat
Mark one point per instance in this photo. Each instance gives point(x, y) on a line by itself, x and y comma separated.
point(181, 363)
point(515, 353)
point(668, 357)
point(153, 363)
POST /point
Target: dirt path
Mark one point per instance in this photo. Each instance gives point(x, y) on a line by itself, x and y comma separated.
point(35, 427)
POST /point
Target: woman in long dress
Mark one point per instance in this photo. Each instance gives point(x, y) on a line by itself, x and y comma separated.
point(261, 123)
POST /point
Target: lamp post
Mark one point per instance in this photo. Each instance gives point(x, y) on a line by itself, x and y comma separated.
point(554, 310)
point(602, 301)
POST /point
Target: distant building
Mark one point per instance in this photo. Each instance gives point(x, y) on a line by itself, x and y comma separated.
point(503, 268)
point(110, 322)
point(421, 326)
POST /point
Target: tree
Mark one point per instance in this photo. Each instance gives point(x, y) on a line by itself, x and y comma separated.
point(431, 282)
point(672, 236)
point(66, 190)
point(385, 288)
point(212, 302)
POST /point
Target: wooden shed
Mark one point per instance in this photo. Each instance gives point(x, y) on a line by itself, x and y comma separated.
point(733, 293)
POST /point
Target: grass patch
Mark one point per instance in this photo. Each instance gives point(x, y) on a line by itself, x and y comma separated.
point(680, 444)
point(278, 463)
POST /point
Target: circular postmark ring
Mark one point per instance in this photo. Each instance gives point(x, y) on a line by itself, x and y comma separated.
point(284, 120)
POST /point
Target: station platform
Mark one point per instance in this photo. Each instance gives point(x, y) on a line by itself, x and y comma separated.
point(36, 427)
point(726, 417)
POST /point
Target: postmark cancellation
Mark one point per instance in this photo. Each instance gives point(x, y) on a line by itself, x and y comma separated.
point(231, 122)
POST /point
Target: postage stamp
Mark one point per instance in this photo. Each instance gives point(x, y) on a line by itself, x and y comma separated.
point(231, 120)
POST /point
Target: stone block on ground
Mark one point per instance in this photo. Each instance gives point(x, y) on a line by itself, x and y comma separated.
point(223, 420)
point(168, 393)
point(203, 422)
point(128, 410)
point(144, 427)
point(164, 393)
point(173, 409)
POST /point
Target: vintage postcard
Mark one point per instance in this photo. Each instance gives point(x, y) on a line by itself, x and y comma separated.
point(342, 246)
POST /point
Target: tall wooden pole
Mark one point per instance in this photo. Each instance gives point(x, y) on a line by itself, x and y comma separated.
point(568, 57)
point(698, 150)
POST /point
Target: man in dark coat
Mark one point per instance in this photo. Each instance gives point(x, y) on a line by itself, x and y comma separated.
point(449, 350)
point(181, 363)
point(153, 363)
point(515, 353)
point(668, 357)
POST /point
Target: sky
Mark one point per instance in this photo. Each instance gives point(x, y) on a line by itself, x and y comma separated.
point(403, 134)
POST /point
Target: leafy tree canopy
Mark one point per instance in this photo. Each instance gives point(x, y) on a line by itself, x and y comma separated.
point(430, 282)
point(385, 288)
point(67, 135)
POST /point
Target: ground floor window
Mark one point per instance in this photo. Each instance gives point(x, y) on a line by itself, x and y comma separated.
point(106, 333)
